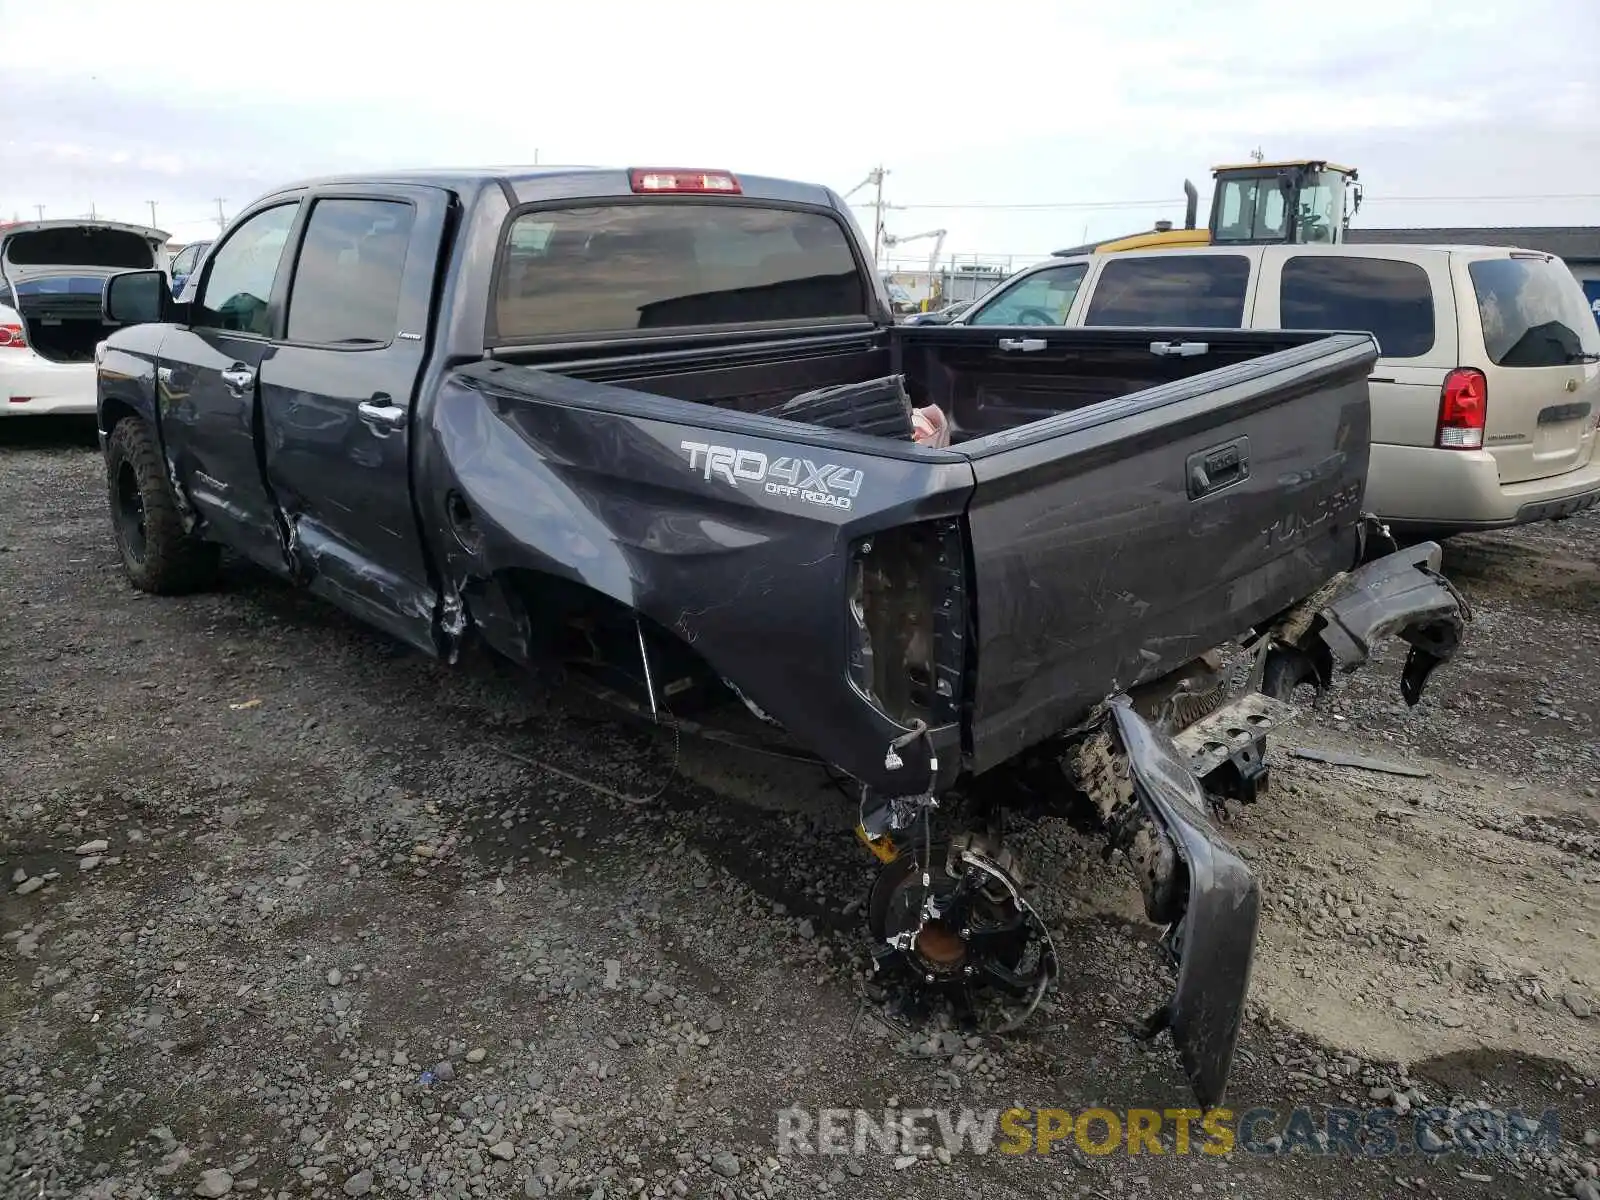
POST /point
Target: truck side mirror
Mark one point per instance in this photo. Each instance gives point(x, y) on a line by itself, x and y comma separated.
point(137, 298)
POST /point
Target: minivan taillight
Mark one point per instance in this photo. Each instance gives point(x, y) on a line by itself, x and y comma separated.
point(1463, 405)
point(12, 338)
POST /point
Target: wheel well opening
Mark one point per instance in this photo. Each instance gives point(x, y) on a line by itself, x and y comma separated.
point(114, 412)
point(586, 630)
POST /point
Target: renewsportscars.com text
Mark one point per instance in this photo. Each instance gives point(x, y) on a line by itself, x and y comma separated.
point(1372, 1133)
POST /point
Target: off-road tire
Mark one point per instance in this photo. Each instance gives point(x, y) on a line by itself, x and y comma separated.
point(158, 554)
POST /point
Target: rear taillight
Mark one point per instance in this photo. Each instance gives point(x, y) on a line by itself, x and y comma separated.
point(1463, 405)
point(12, 338)
point(907, 618)
point(657, 179)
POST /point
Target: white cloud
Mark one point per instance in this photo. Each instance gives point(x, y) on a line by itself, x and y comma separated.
point(966, 103)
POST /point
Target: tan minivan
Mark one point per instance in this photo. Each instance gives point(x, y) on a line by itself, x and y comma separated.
point(1485, 398)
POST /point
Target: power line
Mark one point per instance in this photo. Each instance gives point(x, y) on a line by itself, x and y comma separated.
point(1091, 205)
point(1480, 199)
point(1046, 207)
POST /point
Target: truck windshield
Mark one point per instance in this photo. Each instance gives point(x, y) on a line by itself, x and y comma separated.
point(620, 267)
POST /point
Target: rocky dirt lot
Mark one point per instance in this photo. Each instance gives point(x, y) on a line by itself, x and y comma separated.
point(287, 910)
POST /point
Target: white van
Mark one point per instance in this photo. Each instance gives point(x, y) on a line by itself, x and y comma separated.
point(1486, 396)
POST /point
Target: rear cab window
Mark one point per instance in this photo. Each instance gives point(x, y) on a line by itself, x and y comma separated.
point(1392, 299)
point(1042, 298)
point(1533, 313)
point(1171, 291)
point(655, 265)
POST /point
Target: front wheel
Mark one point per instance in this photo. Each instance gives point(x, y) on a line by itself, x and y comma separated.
point(158, 554)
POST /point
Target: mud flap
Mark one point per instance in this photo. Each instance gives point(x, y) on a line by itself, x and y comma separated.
point(1214, 939)
point(1401, 594)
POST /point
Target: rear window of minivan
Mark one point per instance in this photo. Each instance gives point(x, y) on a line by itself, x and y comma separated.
point(1200, 291)
point(1388, 298)
point(1533, 312)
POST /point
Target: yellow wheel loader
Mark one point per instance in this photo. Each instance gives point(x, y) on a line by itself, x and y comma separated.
point(1256, 204)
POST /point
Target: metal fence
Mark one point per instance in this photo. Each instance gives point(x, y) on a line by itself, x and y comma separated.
point(957, 279)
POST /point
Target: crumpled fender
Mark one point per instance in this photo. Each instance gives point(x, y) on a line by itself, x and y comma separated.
point(522, 471)
point(1215, 938)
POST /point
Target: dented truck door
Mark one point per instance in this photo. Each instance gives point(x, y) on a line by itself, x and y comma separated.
point(336, 401)
point(208, 382)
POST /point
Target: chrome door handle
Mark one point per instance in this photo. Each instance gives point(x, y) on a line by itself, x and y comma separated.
point(238, 379)
point(1022, 343)
point(381, 418)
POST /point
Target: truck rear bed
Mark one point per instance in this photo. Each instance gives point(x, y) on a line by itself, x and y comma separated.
point(1117, 511)
point(1138, 527)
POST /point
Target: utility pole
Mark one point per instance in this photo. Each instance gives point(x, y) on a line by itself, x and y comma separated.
point(152, 205)
point(877, 213)
point(875, 179)
point(222, 221)
point(93, 215)
point(39, 208)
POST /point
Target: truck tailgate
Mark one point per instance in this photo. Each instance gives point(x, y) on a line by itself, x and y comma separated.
point(1112, 544)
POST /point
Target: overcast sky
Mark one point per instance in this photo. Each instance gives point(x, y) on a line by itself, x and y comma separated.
point(967, 104)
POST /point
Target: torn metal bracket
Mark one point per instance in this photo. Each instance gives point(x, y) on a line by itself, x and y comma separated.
point(1400, 594)
point(1245, 775)
point(1232, 742)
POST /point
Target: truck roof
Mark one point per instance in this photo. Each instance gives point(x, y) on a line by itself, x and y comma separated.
point(529, 184)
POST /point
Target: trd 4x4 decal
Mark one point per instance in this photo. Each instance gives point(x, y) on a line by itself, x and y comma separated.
point(797, 478)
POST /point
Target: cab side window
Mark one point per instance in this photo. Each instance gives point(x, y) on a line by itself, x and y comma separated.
point(346, 288)
point(239, 284)
point(1043, 298)
point(184, 263)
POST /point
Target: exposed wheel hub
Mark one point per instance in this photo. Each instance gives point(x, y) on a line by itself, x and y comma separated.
point(955, 920)
point(939, 945)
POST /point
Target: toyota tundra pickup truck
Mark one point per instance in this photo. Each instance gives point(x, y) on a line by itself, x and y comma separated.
point(661, 425)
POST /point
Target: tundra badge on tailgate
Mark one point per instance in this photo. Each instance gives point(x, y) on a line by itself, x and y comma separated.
point(829, 485)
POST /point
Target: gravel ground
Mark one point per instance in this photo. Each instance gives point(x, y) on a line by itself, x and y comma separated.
point(289, 910)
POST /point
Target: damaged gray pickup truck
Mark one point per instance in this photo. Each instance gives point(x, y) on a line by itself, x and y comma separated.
point(662, 425)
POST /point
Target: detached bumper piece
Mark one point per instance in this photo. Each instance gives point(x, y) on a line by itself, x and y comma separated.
point(1193, 881)
point(1402, 595)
